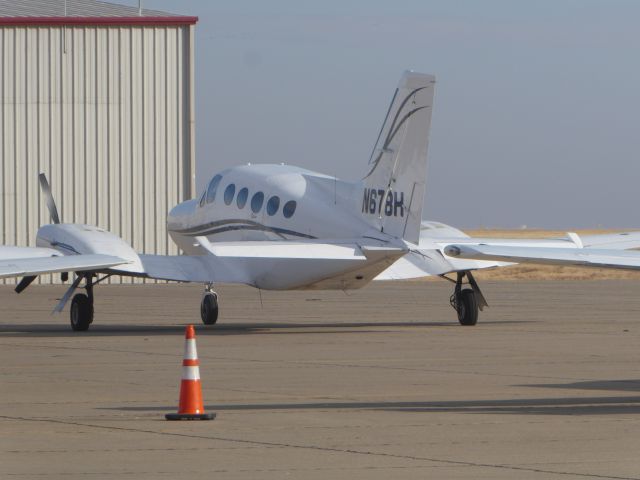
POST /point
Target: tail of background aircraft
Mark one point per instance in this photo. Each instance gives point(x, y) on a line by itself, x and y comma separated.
point(395, 183)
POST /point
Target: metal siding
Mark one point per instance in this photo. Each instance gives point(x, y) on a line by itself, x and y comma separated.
point(3, 59)
point(190, 162)
point(159, 204)
point(20, 133)
point(147, 135)
point(31, 154)
point(172, 140)
point(137, 140)
point(73, 8)
point(180, 107)
point(8, 138)
point(107, 113)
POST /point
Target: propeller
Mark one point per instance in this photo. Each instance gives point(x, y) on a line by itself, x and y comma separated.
point(51, 204)
point(55, 218)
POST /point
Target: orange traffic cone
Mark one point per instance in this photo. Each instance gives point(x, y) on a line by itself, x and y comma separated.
point(191, 407)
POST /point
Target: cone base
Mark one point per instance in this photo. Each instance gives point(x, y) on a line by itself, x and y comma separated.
point(190, 416)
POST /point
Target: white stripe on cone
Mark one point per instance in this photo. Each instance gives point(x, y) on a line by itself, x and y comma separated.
point(190, 352)
point(190, 373)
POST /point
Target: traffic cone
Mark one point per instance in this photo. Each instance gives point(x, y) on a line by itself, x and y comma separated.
point(191, 407)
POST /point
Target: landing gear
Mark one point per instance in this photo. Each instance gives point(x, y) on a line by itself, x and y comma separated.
point(81, 312)
point(209, 306)
point(468, 301)
point(467, 307)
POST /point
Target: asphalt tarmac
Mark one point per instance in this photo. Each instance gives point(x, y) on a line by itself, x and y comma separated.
point(380, 383)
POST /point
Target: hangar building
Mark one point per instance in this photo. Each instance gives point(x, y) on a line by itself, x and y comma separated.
point(100, 97)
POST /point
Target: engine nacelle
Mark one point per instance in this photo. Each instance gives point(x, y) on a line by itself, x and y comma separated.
point(75, 239)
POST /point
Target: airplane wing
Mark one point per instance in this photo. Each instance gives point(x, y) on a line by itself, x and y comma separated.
point(339, 264)
point(428, 262)
point(587, 257)
point(605, 251)
point(616, 241)
point(610, 241)
point(25, 261)
point(276, 265)
point(436, 253)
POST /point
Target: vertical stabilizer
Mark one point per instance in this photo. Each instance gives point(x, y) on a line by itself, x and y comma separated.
point(394, 186)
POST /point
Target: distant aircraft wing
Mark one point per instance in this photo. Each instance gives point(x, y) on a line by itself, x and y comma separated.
point(36, 261)
point(586, 257)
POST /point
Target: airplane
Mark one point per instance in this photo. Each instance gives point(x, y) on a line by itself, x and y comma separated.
point(280, 227)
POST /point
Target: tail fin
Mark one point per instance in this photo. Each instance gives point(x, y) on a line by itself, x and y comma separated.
point(394, 186)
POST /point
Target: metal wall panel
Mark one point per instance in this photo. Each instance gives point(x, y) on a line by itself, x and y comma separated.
point(107, 113)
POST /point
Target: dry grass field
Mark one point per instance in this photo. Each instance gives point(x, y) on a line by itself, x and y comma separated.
point(547, 272)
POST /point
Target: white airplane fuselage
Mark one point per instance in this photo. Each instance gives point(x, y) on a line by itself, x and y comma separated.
point(271, 202)
point(284, 227)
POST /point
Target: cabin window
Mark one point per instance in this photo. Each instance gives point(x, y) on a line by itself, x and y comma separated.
point(272, 205)
point(256, 202)
point(289, 209)
point(229, 192)
point(241, 199)
point(213, 188)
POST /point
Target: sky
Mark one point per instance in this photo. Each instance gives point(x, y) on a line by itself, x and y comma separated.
point(536, 119)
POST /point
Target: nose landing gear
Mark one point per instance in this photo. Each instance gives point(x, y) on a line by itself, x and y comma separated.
point(209, 306)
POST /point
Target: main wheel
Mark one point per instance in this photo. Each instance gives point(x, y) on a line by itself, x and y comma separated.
point(209, 308)
point(467, 307)
point(81, 313)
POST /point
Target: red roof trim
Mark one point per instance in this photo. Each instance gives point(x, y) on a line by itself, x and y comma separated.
point(109, 21)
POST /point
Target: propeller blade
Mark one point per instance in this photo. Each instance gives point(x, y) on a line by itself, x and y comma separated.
point(51, 204)
point(24, 283)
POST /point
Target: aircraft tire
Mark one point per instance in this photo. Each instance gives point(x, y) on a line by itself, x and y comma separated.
point(209, 308)
point(467, 307)
point(80, 313)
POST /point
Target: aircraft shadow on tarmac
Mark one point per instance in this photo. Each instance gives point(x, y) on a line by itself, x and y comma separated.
point(630, 385)
point(588, 405)
point(261, 328)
